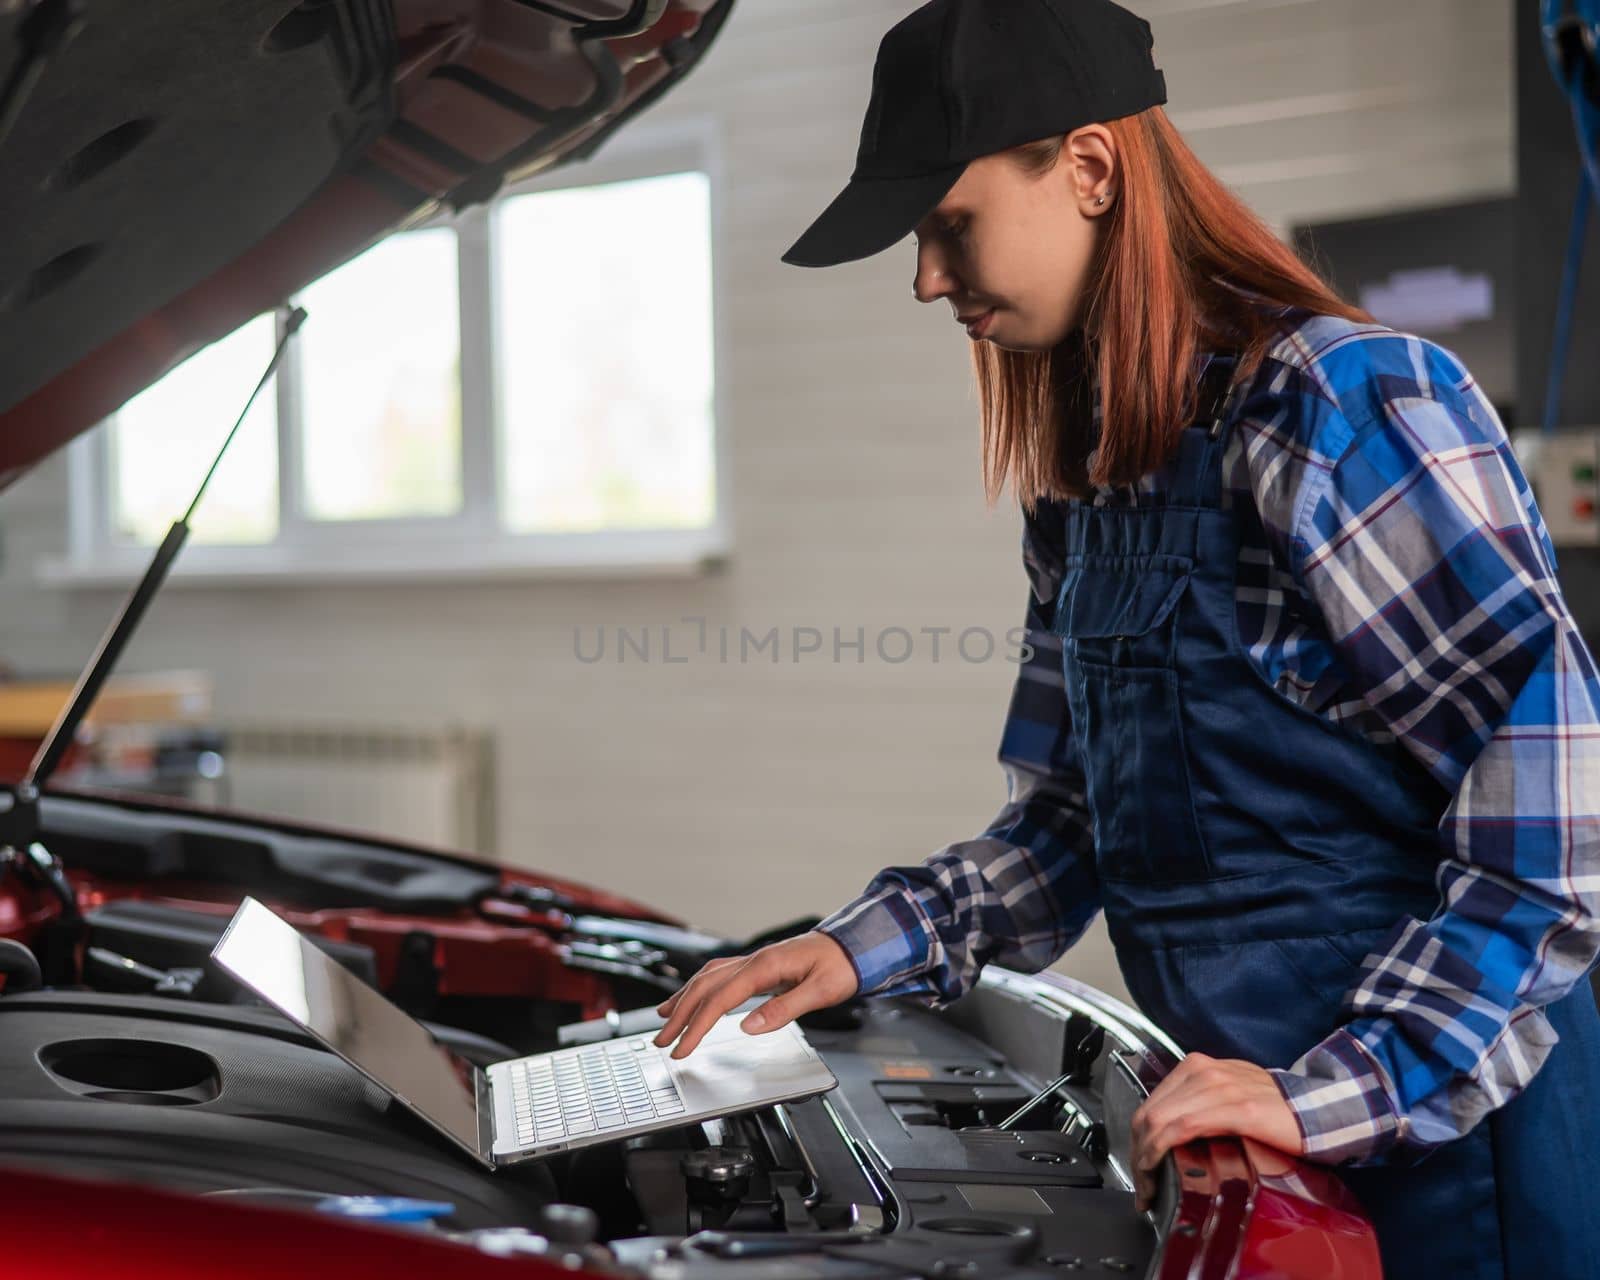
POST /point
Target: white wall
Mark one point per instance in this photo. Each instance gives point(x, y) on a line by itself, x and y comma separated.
point(743, 795)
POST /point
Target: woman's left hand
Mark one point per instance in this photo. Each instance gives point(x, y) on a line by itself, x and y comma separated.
point(1206, 1098)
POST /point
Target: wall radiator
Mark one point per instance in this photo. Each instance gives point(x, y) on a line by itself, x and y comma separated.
point(432, 787)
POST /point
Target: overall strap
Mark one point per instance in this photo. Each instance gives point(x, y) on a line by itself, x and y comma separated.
point(1198, 478)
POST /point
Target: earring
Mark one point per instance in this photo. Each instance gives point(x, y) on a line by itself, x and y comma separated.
point(1100, 200)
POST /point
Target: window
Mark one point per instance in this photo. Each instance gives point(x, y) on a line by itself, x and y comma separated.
point(380, 383)
point(604, 398)
point(168, 420)
point(527, 385)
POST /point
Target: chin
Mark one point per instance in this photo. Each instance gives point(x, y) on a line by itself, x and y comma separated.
point(1015, 335)
point(1017, 344)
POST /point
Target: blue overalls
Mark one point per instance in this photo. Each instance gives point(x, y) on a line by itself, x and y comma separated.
point(1251, 852)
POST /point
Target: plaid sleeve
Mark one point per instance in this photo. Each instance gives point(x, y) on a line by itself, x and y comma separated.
point(1022, 890)
point(1428, 558)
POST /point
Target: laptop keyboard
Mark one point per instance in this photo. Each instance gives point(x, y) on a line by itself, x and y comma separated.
point(590, 1090)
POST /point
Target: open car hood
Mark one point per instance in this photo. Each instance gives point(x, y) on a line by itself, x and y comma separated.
point(168, 171)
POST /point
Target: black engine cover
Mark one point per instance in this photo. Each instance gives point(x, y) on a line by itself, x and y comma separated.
point(209, 1098)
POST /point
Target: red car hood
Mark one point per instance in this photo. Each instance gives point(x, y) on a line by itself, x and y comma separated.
point(171, 170)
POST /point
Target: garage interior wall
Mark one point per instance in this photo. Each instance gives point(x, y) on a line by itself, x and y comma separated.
point(743, 795)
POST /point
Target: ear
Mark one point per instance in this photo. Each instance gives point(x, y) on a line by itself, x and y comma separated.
point(1089, 159)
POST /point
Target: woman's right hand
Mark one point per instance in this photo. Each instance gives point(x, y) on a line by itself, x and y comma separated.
point(810, 971)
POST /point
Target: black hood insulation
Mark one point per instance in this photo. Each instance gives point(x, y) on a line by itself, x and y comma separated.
point(156, 144)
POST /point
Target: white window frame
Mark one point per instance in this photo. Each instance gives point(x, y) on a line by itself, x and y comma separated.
point(473, 544)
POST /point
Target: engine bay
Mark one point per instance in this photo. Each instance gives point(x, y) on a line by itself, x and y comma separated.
point(137, 1061)
point(903, 1166)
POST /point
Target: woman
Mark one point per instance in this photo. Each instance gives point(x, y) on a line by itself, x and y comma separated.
point(1305, 713)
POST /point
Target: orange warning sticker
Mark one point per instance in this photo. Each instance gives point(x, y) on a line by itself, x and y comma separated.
point(905, 1071)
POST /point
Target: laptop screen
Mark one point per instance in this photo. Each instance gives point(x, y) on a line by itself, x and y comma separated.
point(268, 955)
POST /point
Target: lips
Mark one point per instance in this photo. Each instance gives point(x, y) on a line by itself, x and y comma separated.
point(978, 323)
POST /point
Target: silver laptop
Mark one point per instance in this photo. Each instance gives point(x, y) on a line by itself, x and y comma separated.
point(522, 1108)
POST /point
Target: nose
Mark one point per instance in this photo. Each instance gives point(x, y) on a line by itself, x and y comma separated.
point(933, 279)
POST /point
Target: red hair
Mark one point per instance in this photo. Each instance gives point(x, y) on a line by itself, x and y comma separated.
point(1171, 273)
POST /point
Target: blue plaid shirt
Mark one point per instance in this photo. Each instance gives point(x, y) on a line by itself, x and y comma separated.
point(1395, 575)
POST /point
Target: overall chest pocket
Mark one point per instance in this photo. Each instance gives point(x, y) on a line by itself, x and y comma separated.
point(1121, 610)
point(1118, 619)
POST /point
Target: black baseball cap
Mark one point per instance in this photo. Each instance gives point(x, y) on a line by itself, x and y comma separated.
point(959, 79)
